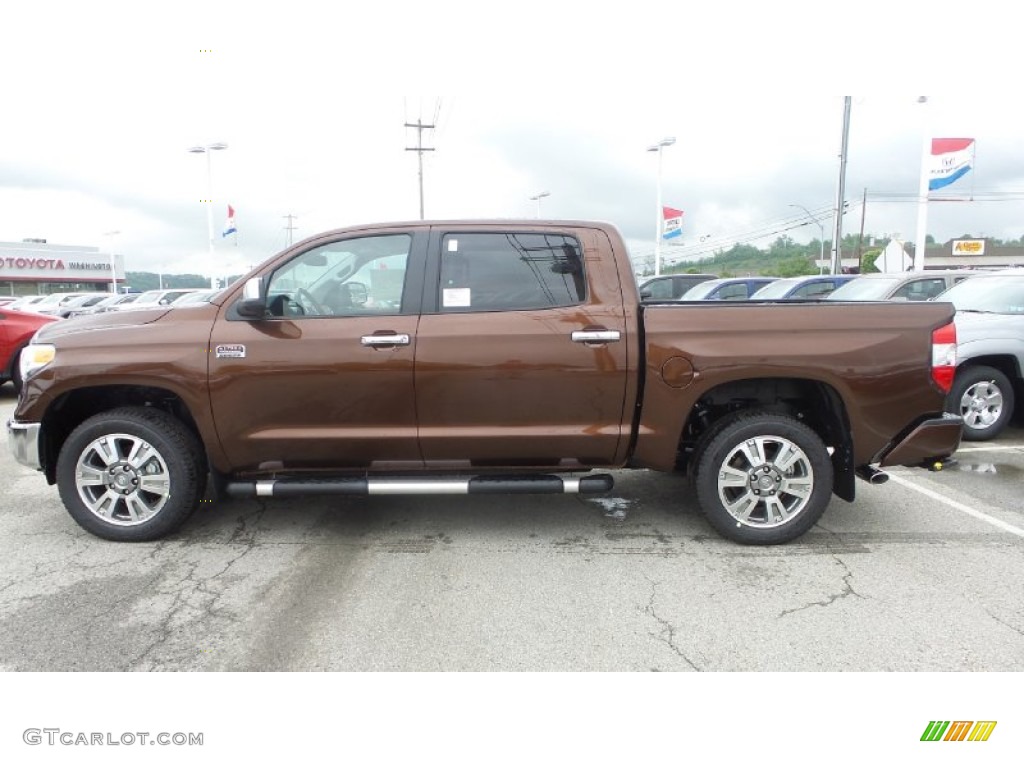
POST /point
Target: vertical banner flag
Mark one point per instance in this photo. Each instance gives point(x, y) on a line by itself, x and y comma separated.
point(673, 223)
point(229, 227)
point(951, 159)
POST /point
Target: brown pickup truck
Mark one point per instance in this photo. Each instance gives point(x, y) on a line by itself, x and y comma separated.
point(479, 357)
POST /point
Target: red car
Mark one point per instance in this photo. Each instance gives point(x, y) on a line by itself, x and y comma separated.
point(16, 330)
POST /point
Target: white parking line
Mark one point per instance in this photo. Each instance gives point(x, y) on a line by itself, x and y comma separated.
point(992, 449)
point(961, 507)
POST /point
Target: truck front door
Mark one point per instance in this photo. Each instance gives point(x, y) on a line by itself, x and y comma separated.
point(326, 379)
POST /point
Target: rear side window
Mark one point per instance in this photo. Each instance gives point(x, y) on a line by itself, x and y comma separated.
point(507, 271)
point(921, 290)
point(732, 292)
point(662, 288)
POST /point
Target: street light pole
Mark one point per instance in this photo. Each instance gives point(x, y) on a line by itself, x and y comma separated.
point(666, 142)
point(537, 197)
point(208, 150)
point(821, 227)
point(113, 269)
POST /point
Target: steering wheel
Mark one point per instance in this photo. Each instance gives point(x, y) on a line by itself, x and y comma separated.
point(306, 303)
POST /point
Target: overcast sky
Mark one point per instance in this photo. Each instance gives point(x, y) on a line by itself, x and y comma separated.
point(102, 100)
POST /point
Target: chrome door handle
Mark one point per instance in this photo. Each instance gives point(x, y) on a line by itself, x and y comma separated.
point(386, 340)
point(595, 337)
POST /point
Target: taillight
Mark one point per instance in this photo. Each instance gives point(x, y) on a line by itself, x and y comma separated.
point(944, 356)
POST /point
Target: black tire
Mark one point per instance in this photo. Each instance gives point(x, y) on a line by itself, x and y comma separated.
point(778, 488)
point(142, 475)
point(15, 368)
point(983, 397)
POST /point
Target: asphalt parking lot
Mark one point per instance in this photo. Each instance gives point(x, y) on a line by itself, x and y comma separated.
point(922, 573)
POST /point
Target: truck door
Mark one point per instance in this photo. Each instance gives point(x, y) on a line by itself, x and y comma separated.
point(326, 380)
point(521, 351)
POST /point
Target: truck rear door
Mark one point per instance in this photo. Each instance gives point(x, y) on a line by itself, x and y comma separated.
point(521, 355)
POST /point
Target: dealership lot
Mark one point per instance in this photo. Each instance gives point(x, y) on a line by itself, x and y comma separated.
point(922, 573)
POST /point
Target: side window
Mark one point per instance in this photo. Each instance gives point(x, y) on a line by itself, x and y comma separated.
point(817, 290)
point(733, 292)
point(359, 276)
point(483, 272)
point(920, 290)
point(804, 291)
point(660, 289)
point(933, 288)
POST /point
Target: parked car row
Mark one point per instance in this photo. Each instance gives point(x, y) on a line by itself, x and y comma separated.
point(908, 286)
point(74, 304)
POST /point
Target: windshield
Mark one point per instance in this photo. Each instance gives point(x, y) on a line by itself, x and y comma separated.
point(198, 297)
point(1003, 294)
point(865, 289)
point(53, 300)
point(777, 289)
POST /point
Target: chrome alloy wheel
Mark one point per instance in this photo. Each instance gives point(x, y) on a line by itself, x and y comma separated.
point(122, 479)
point(981, 405)
point(765, 481)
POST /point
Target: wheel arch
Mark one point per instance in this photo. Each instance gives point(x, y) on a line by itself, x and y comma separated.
point(812, 402)
point(72, 408)
point(1009, 365)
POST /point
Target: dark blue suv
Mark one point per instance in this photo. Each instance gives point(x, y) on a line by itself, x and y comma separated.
point(727, 289)
point(805, 287)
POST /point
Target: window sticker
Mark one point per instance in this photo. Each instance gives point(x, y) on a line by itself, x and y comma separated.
point(456, 297)
point(453, 245)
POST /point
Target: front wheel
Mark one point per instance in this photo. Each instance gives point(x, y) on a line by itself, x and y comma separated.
point(983, 396)
point(131, 474)
point(764, 478)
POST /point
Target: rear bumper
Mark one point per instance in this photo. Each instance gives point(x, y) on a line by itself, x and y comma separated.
point(23, 440)
point(932, 439)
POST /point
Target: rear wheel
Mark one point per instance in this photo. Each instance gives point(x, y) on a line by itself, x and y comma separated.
point(764, 478)
point(131, 474)
point(983, 396)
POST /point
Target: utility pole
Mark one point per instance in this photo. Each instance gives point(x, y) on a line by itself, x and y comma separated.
point(863, 214)
point(291, 227)
point(420, 149)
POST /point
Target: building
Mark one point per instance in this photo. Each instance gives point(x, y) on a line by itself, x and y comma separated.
point(34, 266)
point(972, 253)
point(963, 253)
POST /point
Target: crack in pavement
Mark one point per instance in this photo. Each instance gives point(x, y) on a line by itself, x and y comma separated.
point(199, 594)
point(848, 591)
point(667, 634)
point(1004, 623)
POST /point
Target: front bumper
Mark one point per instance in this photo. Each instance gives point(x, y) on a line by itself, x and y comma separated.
point(932, 439)
point(23, 440)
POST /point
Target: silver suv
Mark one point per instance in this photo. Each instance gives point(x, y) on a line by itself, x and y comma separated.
point(901, 286)
point(989, 351)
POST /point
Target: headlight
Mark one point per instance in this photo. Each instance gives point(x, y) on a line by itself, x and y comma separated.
point(34, 357)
